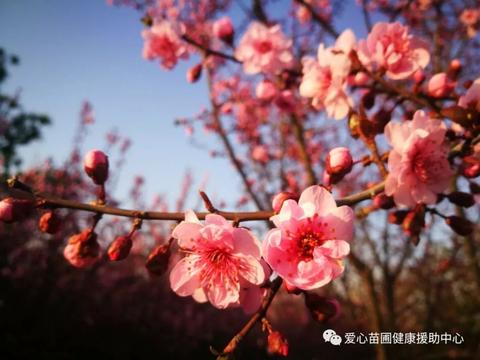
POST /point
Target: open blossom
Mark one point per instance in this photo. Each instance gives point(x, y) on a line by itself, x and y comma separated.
point(264, 49)
point(222, 262)
point(310, 239)
point(324, 79)
point(418, 163)
point(390, 47)
point(163, 42)
point(471, 99)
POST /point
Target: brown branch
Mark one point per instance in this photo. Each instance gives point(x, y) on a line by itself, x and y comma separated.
point(49, 202)
point(305, 157)
point(321, 21)
point(227, 144)
point(267, 300)
point(208, 51)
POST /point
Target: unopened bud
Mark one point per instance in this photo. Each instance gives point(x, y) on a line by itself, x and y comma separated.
point(460, 225)
point(397, 217)
point(383, 201)
point(194, 73)
point(470, 167)
point(461, 198)
point(265, 90)
point(223, 29)
point(455, 66)
point(82, 249)
point(12, 210)
point(120, 248)
point(279, 199)
point(414, 221)
point(418, 76)
point(474, 188)
point(361, 78)
point(323, 309)
point(440, 85)
point(96, 166)
point(277, 344)
point(49, 223)
point(339, 163)
point(157, 261)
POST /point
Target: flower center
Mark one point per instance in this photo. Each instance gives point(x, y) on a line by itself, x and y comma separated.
point(263, 46)
point(426, 168)
point(306, 244)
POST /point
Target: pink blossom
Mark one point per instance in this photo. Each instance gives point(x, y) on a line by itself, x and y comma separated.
point(471, 99)
point(418, 163)
point(470, 17)
point(440, 85)
point(221, 261)
point(264, 49)
point(163, 42)
point(310, 239)
point(324, 78)
point(265, 90)
point(390, 47)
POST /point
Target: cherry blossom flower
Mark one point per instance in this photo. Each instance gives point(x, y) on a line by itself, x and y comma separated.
point(163, 42)
point(264, 49)
point(471, 99)
point(310, 239)
point(390, 47)
point(325, 78)
point(418, 163)
point(221, 261)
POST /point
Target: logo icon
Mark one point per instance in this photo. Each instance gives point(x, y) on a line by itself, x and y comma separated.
point(331, 336)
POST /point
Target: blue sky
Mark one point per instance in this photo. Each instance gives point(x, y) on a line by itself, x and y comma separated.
point(73, 51)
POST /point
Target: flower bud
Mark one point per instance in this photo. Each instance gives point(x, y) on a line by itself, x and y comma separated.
point(418, 76)
point(265, 90)
point(339, 162)
point(383, 201)
point(279, 199)
point(460, 225)
point(96, 166)
point(12, 210)
point(119, 248)
point(260, 154)
point(82, 249)
point(49, 223)
point(361, 78)
point(470, 167)
point(194, 73)
point(323, 309)
point(277, 344)
point(461, 198)
point(414, 221)
point(474, 188)
point(397, 217)
point(223, 29)
point(157, 261)
point(439, 85)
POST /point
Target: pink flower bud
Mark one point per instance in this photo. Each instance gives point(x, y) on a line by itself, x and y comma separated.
point(260, 153)
point(361, 78)
point(277, 344)
point(419, 76)
point(12, 210)
point(265, 90)
point(96, 166)
point(119, 248)
point(460, 225)
point(278, 200)
point(383, 201)
point(82, 249)
point(223, 29)
point(157, 261)
point(439, 85)
point(323, 309)
point(194, 73)
point(414, 221)
point(455, 65)
point(339, 162)
point(470, 167)
point(49, 223)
